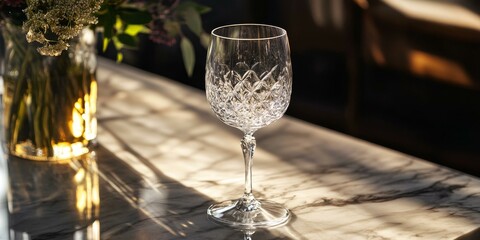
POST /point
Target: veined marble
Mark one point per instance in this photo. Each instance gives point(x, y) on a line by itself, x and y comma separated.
point(163, 158)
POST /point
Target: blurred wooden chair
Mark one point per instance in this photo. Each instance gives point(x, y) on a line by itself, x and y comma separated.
point(431, 39)
point(413, 66)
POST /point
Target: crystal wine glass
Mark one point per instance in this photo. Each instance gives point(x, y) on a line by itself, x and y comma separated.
point(248, 85)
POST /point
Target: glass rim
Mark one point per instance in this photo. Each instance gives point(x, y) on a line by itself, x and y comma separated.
point(282, 34)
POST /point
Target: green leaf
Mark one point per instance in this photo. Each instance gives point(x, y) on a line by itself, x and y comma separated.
point(127, 40)
point(173, 28)
point(201, 9)
point(134, 16)
point(205, 39)
point(108, 22)
point(118, 24)
point(106, 41)
point(118, 47)
point(188, 55)
point(119, 57)
point(117, 44)
point(192, 20)
point(134, 30)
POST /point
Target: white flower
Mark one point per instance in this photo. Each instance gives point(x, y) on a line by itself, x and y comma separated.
point(54, 22)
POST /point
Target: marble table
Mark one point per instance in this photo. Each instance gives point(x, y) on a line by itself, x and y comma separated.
point(163, 158)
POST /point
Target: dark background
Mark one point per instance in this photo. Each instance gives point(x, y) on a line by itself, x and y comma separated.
point(366, 68)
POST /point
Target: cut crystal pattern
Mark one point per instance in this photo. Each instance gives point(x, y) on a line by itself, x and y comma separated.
point(248, 98)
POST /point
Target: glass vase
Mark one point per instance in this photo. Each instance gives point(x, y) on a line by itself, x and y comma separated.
point(49, 103)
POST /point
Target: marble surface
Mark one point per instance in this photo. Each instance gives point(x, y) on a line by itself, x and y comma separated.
point(163, 158)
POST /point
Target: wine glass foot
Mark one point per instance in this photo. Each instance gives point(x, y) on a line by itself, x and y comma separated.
point(230, 213)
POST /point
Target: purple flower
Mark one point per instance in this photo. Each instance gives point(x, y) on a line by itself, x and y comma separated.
point(163, 9)
point(158, 33)
point(160, 12)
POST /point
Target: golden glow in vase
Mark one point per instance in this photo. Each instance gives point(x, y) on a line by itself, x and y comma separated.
point(49, 103)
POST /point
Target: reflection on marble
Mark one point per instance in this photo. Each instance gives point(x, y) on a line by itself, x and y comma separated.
point(52, 200)
point(163, 158)
point(3, 199)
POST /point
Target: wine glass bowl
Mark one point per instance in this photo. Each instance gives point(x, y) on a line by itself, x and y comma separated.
point(248, 77)
point(248, 85)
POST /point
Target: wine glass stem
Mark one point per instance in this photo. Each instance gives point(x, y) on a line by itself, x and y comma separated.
point(248, 201)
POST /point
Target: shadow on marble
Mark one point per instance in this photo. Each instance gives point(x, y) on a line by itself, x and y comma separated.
point(334, 183)
point(134, 209)
point(149, 126)
point(473, 235)
point(101, 197)
point(366, 175)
